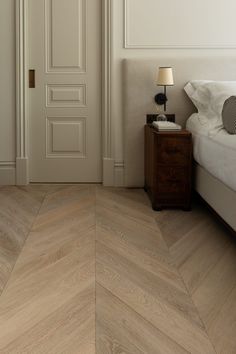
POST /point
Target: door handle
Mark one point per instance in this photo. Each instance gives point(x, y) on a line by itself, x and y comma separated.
point(31, 78)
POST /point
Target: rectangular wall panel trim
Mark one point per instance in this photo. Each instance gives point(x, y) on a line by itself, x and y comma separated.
point(153, 24)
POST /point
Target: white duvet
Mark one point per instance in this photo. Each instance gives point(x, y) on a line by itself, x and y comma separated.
point(214, 149)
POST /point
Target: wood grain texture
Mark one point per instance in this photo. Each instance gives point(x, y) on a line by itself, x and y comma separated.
point(165, 305)
point(129, 332)
point(48, 305)
point(18, 208)
point(98, 271)
point(205, 255)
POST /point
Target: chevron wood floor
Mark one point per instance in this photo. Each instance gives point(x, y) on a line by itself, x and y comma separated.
point(86, 269)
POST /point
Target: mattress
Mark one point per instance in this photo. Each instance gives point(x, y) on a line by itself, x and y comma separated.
point(214, 150)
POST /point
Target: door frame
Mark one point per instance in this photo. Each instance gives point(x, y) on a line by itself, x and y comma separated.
point(22, 99)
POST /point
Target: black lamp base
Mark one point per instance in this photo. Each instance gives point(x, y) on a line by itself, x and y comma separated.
point(160, 99)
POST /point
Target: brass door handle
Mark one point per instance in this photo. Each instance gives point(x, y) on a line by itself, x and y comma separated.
point(31, 78)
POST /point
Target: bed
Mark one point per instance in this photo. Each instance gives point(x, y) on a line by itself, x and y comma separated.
point(216, 153)
point(214, 150)
point(215, 178)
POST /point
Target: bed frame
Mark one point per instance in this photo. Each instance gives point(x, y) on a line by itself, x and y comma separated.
point(218, 196)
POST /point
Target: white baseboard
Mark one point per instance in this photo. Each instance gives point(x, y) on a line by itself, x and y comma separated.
point(12, 173)
point(113, 173)
point(22, 171)
point(119, 174)
point(108, 172)
point(7, 173)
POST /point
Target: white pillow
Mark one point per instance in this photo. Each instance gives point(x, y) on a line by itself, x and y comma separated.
point(209, 98)
point(199, 101)
point(212, 95)
point(193, 85)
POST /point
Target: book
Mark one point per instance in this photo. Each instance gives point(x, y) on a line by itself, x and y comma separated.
point(166, 126)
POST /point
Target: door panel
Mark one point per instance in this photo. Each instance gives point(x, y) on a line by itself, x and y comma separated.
point(66, 96)
point(65, 105)
point(66, 35)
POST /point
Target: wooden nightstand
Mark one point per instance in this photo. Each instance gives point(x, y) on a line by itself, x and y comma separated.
point(168, 168)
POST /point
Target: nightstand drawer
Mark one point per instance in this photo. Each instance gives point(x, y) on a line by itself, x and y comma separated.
point(172, 150)
point(168, 168)
point(171, 180)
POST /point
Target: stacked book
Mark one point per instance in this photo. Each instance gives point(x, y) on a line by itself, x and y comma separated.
point(166, 126)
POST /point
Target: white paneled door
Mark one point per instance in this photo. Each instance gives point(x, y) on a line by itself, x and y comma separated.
point(65, 104)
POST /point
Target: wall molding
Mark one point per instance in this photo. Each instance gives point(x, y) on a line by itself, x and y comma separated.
point(113, 173)
point(108, 172)
point(108, 160)
point(22, 115)
point(7, 173)
point(22, 176)
point(7, 164)
point(107, 78)
point(129, 45)
point(119, 170)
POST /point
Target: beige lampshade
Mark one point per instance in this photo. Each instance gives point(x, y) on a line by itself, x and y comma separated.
point(165, 76)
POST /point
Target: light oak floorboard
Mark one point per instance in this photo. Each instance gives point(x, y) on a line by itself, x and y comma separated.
point(205, 256)
point(18, 208)
point(48, 305)
point(129, 332)
point(87, 269)
point(165, 304)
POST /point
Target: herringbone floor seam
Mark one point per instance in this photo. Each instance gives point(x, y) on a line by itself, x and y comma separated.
point(211, 293)
point(126, 219)
point(199, 314)
point(100, 272)
point(190, 295)
point(23, 245)
point(209, 271)
point(137, 313)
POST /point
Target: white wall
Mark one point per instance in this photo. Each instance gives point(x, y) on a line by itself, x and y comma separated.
point(7, 92)
point(120, 52)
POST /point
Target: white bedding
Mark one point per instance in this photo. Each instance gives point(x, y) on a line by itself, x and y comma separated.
point(215, 150)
